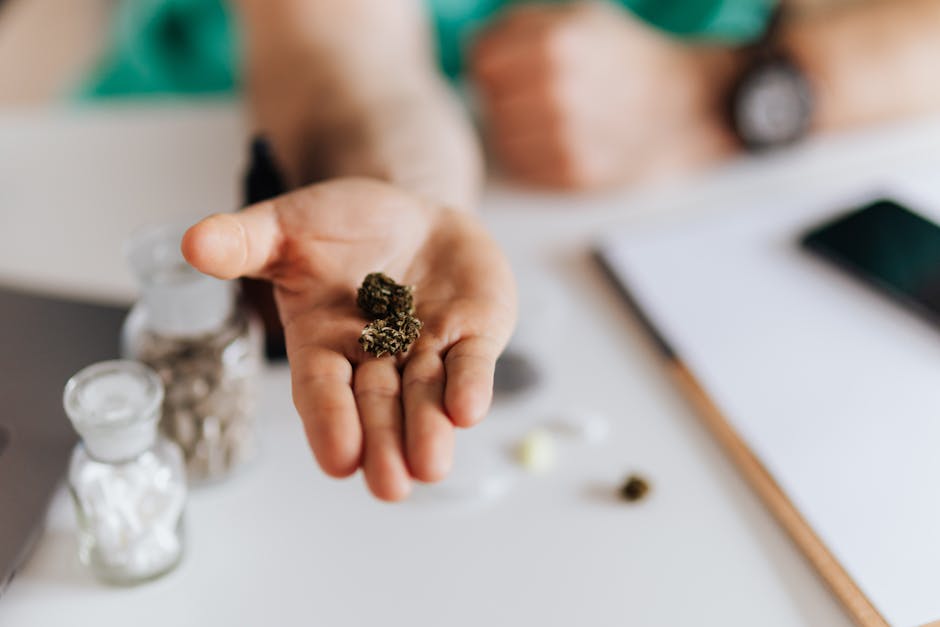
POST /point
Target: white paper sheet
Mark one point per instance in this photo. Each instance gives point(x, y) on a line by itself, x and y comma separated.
point(835, 388)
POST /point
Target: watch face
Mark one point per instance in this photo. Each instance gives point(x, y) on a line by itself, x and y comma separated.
point(772, 105)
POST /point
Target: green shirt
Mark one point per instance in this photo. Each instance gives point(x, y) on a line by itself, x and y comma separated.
point(729, 21)
point(191, 46)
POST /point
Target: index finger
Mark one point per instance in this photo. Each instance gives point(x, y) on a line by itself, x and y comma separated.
point(230, 245)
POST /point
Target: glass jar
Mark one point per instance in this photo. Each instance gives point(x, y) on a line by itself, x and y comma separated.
point(206, 347)
point(127, 482)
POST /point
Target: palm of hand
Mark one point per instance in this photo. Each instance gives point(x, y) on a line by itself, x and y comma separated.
point(393, 417)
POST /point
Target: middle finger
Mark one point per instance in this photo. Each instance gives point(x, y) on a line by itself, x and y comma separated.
point(377, 387)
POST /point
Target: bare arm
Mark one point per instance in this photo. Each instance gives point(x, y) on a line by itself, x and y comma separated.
point(345, 89)
point(870, 62)
point(46, 47)
point(585, 96)
point(350, 88)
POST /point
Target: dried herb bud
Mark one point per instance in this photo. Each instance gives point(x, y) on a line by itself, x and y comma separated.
point(635, 488)
point(390, 336)
point(394, 327)
point(380, 296)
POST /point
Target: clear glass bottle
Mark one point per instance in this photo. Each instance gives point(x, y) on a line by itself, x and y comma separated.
point(127, 482)
point(206, 347)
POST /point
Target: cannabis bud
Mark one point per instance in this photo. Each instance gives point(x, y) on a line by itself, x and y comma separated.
point(390, 336)
point(380, 296)
point(390, 306)
point(635, 488)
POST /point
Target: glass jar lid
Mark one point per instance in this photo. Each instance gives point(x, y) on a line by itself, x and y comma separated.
point(115, 406)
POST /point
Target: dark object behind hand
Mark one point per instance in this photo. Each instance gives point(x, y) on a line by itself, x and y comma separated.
point(263, 180)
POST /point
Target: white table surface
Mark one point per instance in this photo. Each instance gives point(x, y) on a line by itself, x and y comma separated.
point(281, 544)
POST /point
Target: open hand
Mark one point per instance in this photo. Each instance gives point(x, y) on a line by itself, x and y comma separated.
point(394, 417)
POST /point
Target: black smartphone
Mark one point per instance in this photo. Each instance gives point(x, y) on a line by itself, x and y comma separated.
point(889, 247)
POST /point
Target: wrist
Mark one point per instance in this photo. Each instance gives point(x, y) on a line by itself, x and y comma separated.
point(802, 42)
point(412, 134)
point(360, 98)
point(716, 69)
point(869, 62)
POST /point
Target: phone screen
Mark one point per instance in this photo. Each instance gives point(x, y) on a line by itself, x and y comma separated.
point(889, 247)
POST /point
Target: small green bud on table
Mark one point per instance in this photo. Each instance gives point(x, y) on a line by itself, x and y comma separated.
point(635, 488)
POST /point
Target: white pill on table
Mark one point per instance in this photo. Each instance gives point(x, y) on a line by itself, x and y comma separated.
point(536, 451)
point(585, 425)
point(481, 472)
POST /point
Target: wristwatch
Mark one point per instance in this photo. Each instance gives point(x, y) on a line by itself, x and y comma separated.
point(771, 103)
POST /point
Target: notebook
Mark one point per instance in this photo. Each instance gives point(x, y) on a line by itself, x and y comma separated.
point(825, 394)
point(43, 341)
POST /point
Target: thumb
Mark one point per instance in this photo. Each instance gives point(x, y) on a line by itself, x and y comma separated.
point(230, 245)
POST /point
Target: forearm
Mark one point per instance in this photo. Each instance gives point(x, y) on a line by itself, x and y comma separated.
point(869, 62)
point(350, 88)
